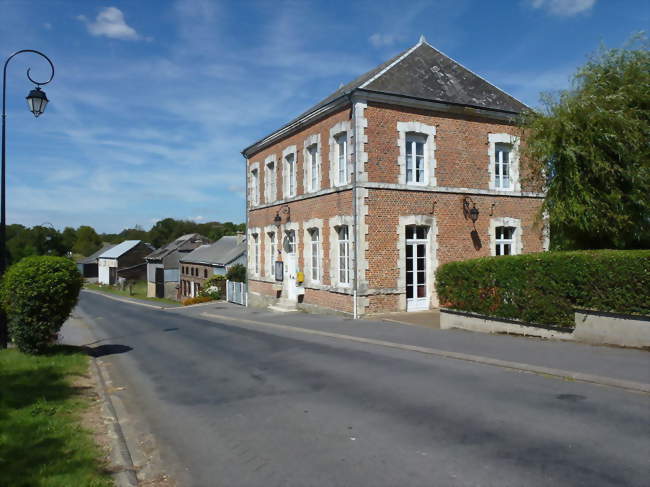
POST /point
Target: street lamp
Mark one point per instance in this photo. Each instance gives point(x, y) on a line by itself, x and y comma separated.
point(37, 101)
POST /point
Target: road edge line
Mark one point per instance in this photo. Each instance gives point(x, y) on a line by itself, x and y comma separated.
point(627, 385)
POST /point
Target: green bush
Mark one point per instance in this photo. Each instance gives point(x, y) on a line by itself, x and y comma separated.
point(38, 294)
point(236, 273)
point(545, 288)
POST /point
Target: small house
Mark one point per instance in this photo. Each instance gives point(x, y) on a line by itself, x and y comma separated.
point(162, 265)
point(123, 260)
point(88, 265)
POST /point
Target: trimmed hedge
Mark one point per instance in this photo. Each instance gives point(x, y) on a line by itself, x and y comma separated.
point(544, 288)
point(38, 294)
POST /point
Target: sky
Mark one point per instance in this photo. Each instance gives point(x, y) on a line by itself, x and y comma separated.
point(153, 100)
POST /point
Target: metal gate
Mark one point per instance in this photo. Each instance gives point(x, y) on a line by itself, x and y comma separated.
point(236, 292)
point(160, 282)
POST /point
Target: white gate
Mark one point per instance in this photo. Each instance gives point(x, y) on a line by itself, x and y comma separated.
point(236, 292)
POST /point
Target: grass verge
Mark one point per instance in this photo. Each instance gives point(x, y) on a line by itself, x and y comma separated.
point(42, 442)
point(139, 292)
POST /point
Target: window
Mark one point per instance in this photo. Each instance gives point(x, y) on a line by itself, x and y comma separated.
point(290, 242)
point(256, 254)
point(312, 163)
point(415, 159)
point(315, 254)
point(269, 182)
point(272, 252)
point(254, 187)
point(290, 175)
point(342, 158)
point(344, 254)
point(205, 273)
point(502, 171)
point(504, 241)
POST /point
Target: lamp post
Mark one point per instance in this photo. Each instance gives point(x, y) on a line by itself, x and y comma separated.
point(37, 101)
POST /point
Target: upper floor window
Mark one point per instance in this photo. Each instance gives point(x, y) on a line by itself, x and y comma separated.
point(315, 254)
point(502, 171)
point(312, 164)
point(269, 182)
point(504, 241)
point(290, 175)
point(255, 195)
point(415, 158)
point(417, 161)
point(342, 158)
point(503, 152)
point(344, 255)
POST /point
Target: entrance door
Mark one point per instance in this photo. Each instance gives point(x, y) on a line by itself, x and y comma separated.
point(290, 265)
point(417, 297)
point(160, 282)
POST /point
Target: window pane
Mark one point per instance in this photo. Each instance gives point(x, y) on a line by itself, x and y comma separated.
point(421, 250)
point(421, 232)
point(410, 231)
point(409, 292)
point(421, 264)
point(422, 291)
point(409, 251)
point(506, 249)
point(419, 148)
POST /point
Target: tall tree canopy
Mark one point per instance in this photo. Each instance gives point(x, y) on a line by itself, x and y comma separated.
point(594, 144)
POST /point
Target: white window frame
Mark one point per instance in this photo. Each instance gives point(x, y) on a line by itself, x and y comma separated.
point(416, 166)
point(270, 178)
point(517, 239)
point(312, 182)
point(272, 240)
point(307, 227)
point(334, 251)
point(428, 132)
point(341, 129)
point(254, 255)
point(289, 177)
point(315, 255)
point(513, 142)
point(343, 254)
point(254, 184)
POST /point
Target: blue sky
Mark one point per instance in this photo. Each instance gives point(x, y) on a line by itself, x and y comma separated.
point(153, 100)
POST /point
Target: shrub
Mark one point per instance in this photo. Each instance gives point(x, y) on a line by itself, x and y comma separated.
point(199, 299)
point(545, 288)
point(236, 273)
point(211, 292)
point(38, 294)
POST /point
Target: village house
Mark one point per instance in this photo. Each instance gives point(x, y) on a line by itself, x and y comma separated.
point(123, 260)
point(354, 204)
point(163, 275)
point(209, 260)
point(88, 267)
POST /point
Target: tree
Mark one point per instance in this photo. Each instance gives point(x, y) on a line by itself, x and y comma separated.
point(594, 146)
point(87, 242)
point(68, 238)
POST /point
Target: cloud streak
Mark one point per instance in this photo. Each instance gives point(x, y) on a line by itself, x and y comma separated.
point(563, 8)
point(110, 23)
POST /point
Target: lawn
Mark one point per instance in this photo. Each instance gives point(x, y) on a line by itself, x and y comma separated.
point(139, 291)
point(41, 440)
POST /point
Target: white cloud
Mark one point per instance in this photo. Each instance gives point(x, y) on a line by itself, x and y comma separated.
point(563, 8)
point(110, 23)
point(381, 40)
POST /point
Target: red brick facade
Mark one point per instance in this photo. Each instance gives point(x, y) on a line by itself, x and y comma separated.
point(385, 204)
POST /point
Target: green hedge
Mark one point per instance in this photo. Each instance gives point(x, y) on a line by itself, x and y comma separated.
point(545, 288)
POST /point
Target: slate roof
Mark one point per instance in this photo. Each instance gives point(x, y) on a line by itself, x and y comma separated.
point(222, 252)
point(92, 259)
point(182, 243)
point(423, 72)
point(119, 250)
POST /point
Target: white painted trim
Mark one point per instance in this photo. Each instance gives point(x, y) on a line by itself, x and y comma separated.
point(546, 231)
point(269, 260)
point(335, 222)
point(314, 223)
point(291, 150)
point(506, 222)
point(360, 141)
point(432, 256)
point(270, 186)
point(338, 129)
point(254, 198)
point(428, 131)
point(313, 139)
point(250, 245)
point(513, 140)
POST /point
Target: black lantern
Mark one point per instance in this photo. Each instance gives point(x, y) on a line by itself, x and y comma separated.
point(473, 214)
point(37, 101)
point(277, 220)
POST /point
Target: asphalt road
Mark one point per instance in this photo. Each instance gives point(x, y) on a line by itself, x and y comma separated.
point(234, 405)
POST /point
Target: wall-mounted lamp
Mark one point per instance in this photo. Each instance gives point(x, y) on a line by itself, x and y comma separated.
point(277, 220)
point(433, 207)
point(471, 213)
point(492, 209)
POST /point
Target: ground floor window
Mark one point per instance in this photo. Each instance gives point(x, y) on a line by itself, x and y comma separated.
point(315, 254)
point(504, 241)
point(344, 254)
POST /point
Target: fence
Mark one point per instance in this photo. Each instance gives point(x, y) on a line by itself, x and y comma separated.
point(236, 292)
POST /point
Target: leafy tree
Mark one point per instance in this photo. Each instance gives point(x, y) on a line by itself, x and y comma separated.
point(236, 273)
point(68, 238)
point(594, 146)
point(87, 242)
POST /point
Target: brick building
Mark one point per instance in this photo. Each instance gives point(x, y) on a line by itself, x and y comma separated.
point(365, 194)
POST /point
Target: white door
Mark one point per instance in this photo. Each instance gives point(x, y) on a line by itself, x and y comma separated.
point(417, 296)
point(290, 265)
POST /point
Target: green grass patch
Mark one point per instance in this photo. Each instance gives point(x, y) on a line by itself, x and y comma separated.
point(42, 443)
point(139, 291)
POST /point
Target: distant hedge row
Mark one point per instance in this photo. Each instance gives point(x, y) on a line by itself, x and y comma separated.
point(545, 288)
